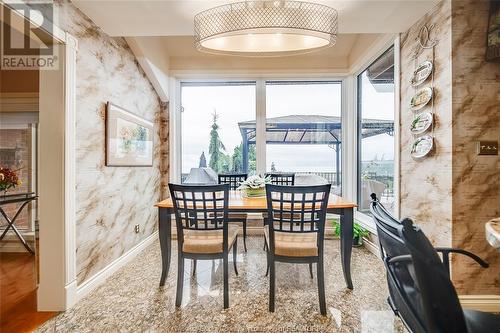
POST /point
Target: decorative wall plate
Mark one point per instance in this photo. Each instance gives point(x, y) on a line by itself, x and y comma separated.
point(421, 74)
point(421, 123)
point(421, 98)
point(422, 147)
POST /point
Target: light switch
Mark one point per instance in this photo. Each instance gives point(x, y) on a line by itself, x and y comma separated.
point(487, 147)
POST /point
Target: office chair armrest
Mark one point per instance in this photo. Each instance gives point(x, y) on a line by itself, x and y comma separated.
point(445, 251)
point(402, 258)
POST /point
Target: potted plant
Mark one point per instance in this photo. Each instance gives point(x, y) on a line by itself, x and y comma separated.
point(8, 179)
point(358, 232)
point(254, 186)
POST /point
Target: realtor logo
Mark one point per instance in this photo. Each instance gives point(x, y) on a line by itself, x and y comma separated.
point(27, 41)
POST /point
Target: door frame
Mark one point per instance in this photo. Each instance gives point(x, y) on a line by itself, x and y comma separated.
point(56, 176)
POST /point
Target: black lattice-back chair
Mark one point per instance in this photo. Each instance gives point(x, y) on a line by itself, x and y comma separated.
point(234, 180)
point(407, 298)
point(287, 179)
point(201, 215)
point(296, 231)
point(278, 178)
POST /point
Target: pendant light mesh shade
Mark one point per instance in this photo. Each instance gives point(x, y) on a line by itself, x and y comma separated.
point(264, 28)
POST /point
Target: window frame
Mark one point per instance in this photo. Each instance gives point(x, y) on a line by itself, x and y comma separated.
point(313, 81)
point(201, 83)
point(260, 114)
point(363, 219)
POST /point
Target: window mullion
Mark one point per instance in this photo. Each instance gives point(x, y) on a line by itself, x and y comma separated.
point(260, 105)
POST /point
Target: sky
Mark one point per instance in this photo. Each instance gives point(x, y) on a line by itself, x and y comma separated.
point(235, 104)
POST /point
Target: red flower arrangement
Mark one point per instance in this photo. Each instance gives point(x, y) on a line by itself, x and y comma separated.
point(8, 179)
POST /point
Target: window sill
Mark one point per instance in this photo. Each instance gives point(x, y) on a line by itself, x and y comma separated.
point(366, 222)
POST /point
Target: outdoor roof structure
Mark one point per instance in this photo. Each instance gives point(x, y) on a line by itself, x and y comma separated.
point(310, 129)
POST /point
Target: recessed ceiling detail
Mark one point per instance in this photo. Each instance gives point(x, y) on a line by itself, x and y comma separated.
point(266, 28)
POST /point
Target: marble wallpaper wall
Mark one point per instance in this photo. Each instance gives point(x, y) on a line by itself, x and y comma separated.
point(110, 200)
point(426, 185)
point(452, 193)
point(476, 116)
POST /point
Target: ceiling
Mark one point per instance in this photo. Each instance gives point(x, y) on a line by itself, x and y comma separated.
point(175, 17)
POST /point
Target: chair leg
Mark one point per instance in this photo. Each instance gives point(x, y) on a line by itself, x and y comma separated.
point(226, 281)
point(194, 267)
point(245, 235)
point(311, 270)
point(321, 287)
point(235, 254)
point(265, 243)
point(272, 286)
point(180, 281)
point(268, 265)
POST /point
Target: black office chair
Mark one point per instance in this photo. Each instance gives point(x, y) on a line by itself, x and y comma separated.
point(234, 180)
point(296, 231)
point(201, 216)
point(421, 292)
point(392, 245)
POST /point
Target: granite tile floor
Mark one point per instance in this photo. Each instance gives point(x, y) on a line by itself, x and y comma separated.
point(131, 301)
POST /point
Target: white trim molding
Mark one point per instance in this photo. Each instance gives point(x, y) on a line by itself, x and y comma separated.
point(70, 166)
point(57, 288)
point(99, 278)
point(487, 303)
point(175, 145)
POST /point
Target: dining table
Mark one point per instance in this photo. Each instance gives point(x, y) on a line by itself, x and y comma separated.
point(238, 203)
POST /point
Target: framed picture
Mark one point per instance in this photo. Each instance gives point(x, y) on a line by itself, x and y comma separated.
point(129, 138)
point(493, 36)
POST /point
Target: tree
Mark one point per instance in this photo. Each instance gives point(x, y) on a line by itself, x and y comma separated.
point(216, 146)
point(273, 167)
point(252, 159)
point(237, 159)
point(224, 163)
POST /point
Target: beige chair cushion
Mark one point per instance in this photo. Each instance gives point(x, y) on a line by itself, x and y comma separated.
point(200, 241)
point(299, 244)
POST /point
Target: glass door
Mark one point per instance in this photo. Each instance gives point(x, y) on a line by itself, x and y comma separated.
point(376, 133)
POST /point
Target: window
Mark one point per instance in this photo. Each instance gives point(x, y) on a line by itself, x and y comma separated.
point(376, 132)
point(18, 153)
point(303, 130)
point(220, 122)
point(213, 117)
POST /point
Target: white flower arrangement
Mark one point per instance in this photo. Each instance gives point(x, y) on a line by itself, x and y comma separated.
point(254, 182)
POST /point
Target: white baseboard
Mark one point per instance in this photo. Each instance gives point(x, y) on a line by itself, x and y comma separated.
point(71, 297)
point(487, 303)
point(85, 288)
point(372, 247)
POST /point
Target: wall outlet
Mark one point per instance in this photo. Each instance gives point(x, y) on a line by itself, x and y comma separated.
point(487, 147)
point(136, 229)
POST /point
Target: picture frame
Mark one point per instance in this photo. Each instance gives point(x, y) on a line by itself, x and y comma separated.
point(129, 138)
point(493, 33)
